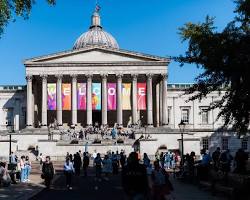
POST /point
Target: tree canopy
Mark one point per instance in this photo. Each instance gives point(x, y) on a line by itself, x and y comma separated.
point(225, 59)
point(9, 9)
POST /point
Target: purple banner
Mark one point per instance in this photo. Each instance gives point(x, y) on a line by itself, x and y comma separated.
point(81, 96)
point(111, 96)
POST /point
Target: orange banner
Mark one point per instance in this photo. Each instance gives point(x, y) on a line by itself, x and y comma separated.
point(66, 96)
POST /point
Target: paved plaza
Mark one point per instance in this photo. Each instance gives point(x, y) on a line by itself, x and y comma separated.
point(89, 188)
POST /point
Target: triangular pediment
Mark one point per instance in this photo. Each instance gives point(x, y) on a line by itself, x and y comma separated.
point(95, 55)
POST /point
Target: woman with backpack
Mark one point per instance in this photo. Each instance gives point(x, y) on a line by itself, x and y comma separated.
point(47, 172)
point(162, 187)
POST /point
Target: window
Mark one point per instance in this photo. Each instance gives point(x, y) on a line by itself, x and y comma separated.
point(244, 144)
point(224, 143)
point(205, 143)
point(204, 116)
point(169, 114)
point(185, 115)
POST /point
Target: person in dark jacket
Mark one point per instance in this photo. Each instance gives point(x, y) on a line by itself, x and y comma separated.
point(77, 163)
point(47, 171)
point(85, 163)
point(134, 178)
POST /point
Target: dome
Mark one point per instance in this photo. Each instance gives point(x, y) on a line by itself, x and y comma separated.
point(96, 36)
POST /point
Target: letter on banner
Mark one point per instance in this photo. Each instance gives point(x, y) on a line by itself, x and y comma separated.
point(66, 96)
point(51, 96)
point(141, 96)
point(111, 96)
point(96, 96)
point(126, 91)
point(81, 96)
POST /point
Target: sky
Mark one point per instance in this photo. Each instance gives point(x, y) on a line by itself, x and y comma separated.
point(147, 26)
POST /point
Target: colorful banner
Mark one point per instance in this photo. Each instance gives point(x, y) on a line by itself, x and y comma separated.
point(141, 96)
point(111, 96)
point(51, 88)
point(96, 96)
point(81, 96)
point(66, 96)
point(126, 92)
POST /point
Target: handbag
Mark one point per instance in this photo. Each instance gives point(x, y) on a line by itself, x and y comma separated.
point(42, 176)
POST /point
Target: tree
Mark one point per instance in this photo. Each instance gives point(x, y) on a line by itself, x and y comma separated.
point(11, 8)
point(225, 58)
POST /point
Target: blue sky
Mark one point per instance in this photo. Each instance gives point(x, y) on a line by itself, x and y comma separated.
point(148, 26)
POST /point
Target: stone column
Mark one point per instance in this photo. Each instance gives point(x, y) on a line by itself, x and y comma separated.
point(44, 100)
point(104, 100)
point(59, 100)
point(134, 98)
point(74, 100)
point(164, 100)
point(17, 115)
point(149, 100)
point(29, 109)
point(119, 100)
point(89, 100)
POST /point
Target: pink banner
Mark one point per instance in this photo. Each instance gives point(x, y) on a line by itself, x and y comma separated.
point(141, 96)
point(111, 96)
point(81, 96)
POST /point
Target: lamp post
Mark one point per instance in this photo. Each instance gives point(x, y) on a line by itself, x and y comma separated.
point(182, 129)
point(9, 128)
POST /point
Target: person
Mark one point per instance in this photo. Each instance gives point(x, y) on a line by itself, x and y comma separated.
point(5, 179)
point(240, 159)
point(13, 158)
point(28, 168)
point(107, 166)
point(167, 160)
point(146, 161)
point(134, 178)
point(77, 163)
point(98, 166)
point(41, 160)
point(114, 163)
point(85, 163)
point(162, 187)
point(215, 157)
point(94, 154)
point(68, 171)
point(203, 166)
point(23, 169)
point(47, 171)
point(122, 159)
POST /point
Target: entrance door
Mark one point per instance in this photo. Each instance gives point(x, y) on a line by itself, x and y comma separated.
point(97, 117)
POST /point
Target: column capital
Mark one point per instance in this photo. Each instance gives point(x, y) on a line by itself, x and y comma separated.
point(89, 75)
point(164, 76)
point(149, 76)
point(73, 76)
point(29, 77)
point(59, 76)
point(104, 76)
point(44, 77)
point(134, 76)
point(119, 75)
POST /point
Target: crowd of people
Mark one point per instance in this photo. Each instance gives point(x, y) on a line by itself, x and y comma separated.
point(18, 170)
point(220, 162)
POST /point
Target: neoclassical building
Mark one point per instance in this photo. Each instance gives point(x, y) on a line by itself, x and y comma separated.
point(97, 81)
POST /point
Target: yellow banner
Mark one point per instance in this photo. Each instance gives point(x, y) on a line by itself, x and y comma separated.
point(126, 93)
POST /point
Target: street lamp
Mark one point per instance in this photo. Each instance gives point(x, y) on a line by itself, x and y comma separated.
point(182, 129)
point(9, 128)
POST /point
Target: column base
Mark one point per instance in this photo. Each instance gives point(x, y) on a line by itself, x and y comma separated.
point(29, 126)
point(44, 126)
point(150, 125)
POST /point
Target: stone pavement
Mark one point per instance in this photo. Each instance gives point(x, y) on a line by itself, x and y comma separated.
point(24, 191)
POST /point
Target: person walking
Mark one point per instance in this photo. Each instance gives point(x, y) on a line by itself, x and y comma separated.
point(98, 166)
point(215, 157)
point(77, 163)
point(135, 179)
point(23, 169)
point(85, 163)
point(68, 171)
point(240, 159)
point(162, 187)
point(47, 172)
point(107, 166)
point(28, 168)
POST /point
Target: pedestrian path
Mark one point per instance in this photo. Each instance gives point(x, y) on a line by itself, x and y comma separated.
point(187, 191)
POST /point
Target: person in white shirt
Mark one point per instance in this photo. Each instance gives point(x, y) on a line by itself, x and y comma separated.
point(68, 171)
